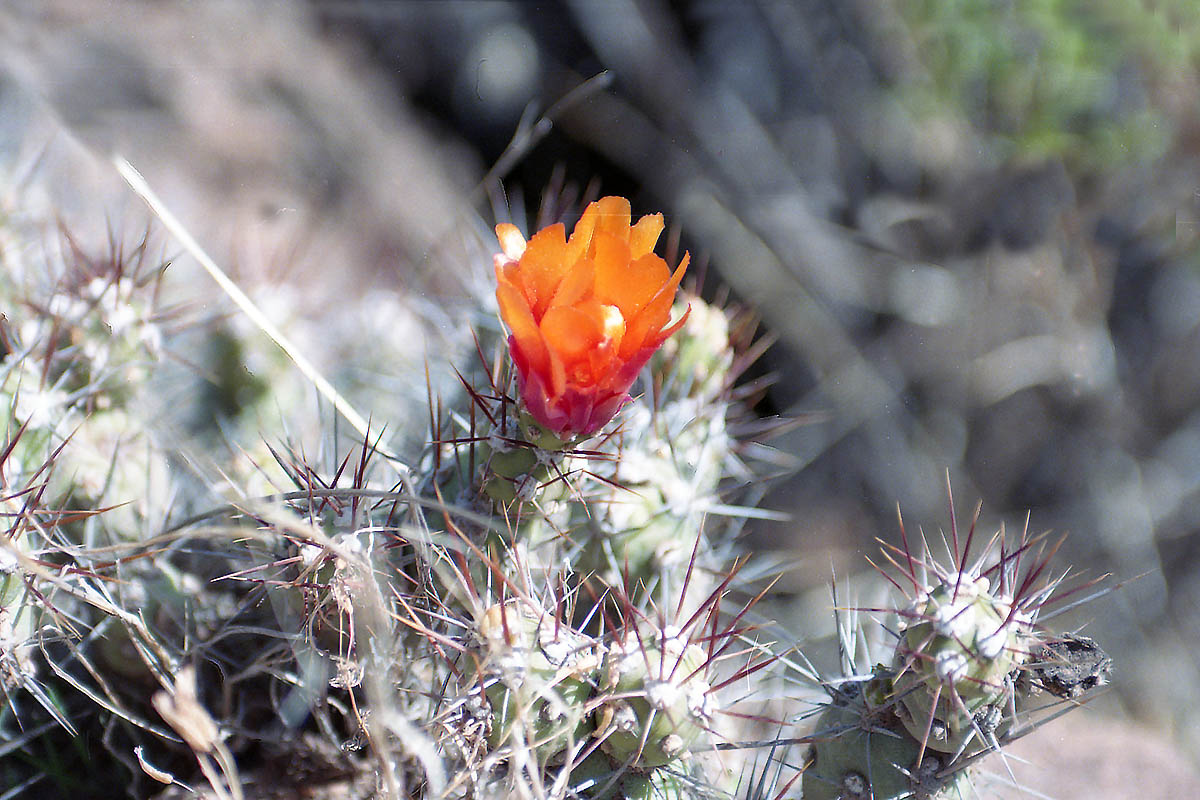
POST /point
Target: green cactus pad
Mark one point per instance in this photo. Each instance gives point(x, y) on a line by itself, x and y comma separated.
point(860, 755)
point(659, 702)
point(660, 784)
point(959, 647)
point(545, 673)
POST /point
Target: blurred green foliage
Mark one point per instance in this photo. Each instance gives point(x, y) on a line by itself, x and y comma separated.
point(1077, 79)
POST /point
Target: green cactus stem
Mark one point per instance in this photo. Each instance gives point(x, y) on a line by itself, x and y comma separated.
point(541, 675)
point(863, 752)
point(954, 659)
point(658, 702)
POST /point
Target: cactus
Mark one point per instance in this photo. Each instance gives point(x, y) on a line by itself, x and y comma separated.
point(542, 605)
point(544, 673)
point(954, 661)
point(515, 470)
point(18, 613)
point(859, 754)
point(658, 703)
point(968, 661)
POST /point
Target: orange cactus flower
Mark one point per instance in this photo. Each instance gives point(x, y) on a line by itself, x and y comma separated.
point(585, 314)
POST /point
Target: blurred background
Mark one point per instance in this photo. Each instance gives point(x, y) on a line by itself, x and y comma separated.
point(972, 228)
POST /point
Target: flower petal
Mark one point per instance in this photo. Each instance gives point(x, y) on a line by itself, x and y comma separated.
point(605, 214)
point(577, 286)
point(644, 235)
point(571, 331)
point(629, 286)
point(512, 241)
point(522, 325)
point(558, 375)
point(612, 217)
point(543, 267)
point(647, 325)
